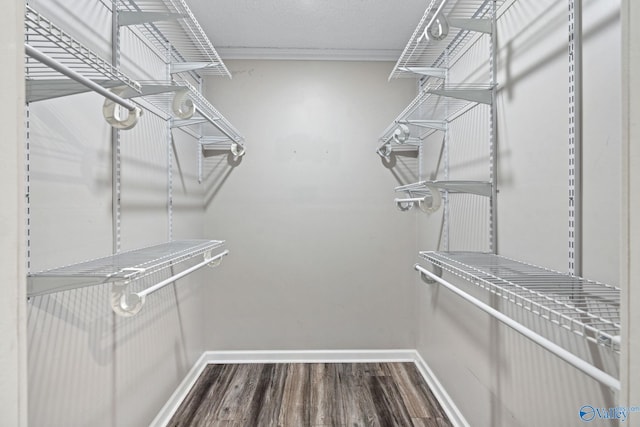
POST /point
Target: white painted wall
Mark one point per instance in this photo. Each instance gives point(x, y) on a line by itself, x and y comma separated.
point(320, 257)
point(13, 392)
point(630, 229)
point(497, 377)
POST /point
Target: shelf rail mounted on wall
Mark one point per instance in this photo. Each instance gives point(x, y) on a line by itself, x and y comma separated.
point(123, 270)
point(58, 65)
point(588, 309)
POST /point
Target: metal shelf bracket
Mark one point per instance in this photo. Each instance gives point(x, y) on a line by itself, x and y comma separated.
point(429, 124)
point(472, 24)
point(184, 67)
point(439, 73)
point(483, 96)
point(127, 18)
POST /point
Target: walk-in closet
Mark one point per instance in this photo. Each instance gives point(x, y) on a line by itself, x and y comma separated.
point(320, 213)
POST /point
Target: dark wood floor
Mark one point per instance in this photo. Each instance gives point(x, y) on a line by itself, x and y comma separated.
point(310, 394)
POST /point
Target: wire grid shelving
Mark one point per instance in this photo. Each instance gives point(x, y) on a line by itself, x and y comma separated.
point(587, 308)
point(126, 266)
point(214, 124)
point(421, 52)
point(433, 107)
point(42, 82)
point(177, 29)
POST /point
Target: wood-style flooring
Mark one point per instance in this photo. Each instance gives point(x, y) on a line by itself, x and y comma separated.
point(310, 394)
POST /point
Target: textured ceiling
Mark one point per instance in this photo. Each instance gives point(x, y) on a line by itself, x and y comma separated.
point(309, 29)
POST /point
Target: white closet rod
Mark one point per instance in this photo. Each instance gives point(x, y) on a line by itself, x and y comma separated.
point(410, 200)
point(52, 63)
point(180, 275)
point(563, 354)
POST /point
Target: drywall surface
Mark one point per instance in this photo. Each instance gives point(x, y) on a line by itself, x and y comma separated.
point(495, 376)
point(86, 365)
point(630, 269)
point(320, 257)
point(13, 393)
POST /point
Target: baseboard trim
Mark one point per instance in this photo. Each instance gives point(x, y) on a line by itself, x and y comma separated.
point(448, 405)
point(164, 416)
point(309, 356)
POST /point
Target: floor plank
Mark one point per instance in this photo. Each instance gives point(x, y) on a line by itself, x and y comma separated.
point(358, 404)
point(310, 394)
point(418, 398)
point(326, 395)
point(295, 409)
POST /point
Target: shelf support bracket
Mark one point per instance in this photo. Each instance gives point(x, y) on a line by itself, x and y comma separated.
point(472, 24)
point(439, 73)
point(183, 67)
point(127, 18)
point(483, 96)
point(429, 124)
point(188, 122)
point(470, 187)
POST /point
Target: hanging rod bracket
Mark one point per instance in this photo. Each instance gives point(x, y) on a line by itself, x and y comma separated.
point(124, 302)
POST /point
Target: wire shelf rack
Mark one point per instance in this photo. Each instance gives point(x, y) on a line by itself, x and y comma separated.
point(126, 266)
point(178, 29)
point(422, 52)
point(213, 125)
point(213, 116)
point(587, 308)
point(45, 83)
point(433, 107)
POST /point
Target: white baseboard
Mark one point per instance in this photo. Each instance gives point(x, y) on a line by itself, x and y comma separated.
point(309, 356)
point(448, 405)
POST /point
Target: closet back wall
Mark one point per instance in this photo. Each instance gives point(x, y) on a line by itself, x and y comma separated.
point(320, 257)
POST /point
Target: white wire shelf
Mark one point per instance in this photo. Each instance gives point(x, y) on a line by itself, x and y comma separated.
point(190, 109)
point(124, 267)
point(213, 118)
point(431, 110)
point(447, 25)
point(43, 82)
point(587, 308)
point(171, 23)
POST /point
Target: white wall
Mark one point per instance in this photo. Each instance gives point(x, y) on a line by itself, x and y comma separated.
point(496, 377)
point(320, 257)
point(630, 230)
point(13, 392)
point(86, 365)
